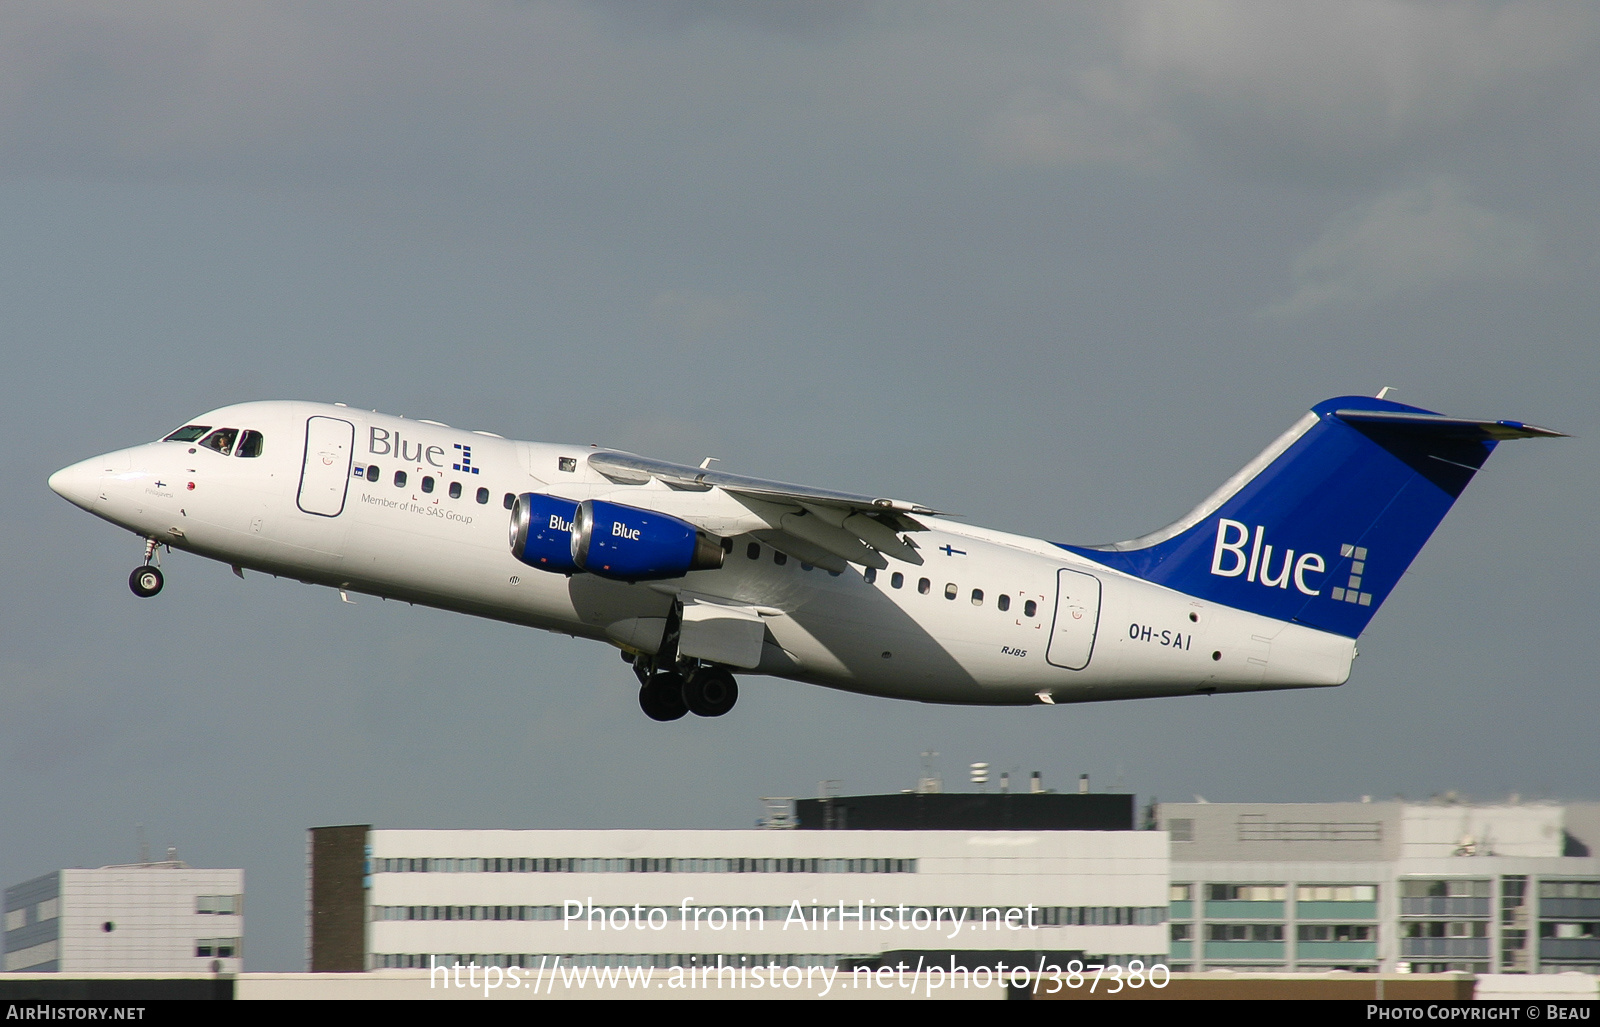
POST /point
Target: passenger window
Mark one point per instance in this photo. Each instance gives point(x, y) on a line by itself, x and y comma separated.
point(870, 575)
point(188, 433)
point(923, 585)
point(250, 445)
point(977, 597)
point(950, 590)
point(753, 550)
point(221, 440)
point(779, 558)
point(399, 479)
point(1030, 608)
point(509, 501)
point(897, 579)
point(455, 490)
point(1004, 602)
point(805, 566)
point(483, 496)
point(372, 473)
point(427, 483)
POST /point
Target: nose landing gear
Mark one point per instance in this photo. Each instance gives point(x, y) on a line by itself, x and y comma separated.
point(146, 580)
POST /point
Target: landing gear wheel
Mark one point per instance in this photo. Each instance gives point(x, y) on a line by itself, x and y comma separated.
point(662, 697)
point(710, 692)
point(145, 581)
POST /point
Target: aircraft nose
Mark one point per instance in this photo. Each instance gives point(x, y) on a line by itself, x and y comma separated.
point(79, 484)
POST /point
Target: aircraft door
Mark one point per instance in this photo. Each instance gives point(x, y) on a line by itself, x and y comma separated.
point(1077, 620)
point(326, 474)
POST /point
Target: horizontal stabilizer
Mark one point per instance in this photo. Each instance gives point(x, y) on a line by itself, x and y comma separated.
point(1452, 427)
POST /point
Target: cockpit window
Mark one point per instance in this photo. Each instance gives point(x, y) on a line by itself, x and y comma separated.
point(250, 445)
point(188, 433)
point(221, 440)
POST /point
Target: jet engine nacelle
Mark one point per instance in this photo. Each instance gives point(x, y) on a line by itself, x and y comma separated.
point(541, 532)
point(630, 544)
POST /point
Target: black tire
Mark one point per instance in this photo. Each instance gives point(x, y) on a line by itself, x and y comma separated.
point(146, 581)
point(662, 698)
point(710, 692)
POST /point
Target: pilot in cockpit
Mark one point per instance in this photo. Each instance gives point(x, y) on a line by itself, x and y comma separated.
point(221, 440)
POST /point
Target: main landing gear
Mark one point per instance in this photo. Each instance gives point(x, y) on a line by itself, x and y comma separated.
point(146, 580)
point(705, 691)
point(671, 685)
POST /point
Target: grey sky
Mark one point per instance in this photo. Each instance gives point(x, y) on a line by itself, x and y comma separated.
point(1062, 268)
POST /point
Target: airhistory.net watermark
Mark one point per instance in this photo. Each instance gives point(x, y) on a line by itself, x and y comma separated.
point(925, 978)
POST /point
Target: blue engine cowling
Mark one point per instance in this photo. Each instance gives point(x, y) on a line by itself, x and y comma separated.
point(630, 544)
point(541, 532)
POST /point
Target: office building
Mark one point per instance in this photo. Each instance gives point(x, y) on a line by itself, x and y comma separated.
point(1425, 887)
point(159, 917)
point(1078, 882)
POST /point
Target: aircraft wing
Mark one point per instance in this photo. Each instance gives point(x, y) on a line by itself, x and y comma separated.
point(817, 526)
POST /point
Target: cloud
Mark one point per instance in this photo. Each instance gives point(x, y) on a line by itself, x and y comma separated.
point(697, 317)
point(1409, 241)
point(490, 95)
point(798, 18)
point(1290, 83)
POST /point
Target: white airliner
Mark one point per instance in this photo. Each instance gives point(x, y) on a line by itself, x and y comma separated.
point(695, 573)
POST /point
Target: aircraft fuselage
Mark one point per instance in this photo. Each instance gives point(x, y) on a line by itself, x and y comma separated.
point(418, 512)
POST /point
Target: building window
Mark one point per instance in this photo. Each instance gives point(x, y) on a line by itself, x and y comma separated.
point(1246, 892)
point(1444, 889)
point(1338, 932)
point(1182, 932)
point(1446, 929)
point(1336, 893)
point(1182, 830)
point(1244, 932)
point(1180, 893)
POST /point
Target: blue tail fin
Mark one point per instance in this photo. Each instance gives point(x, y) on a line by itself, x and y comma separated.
point(1319, 528)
